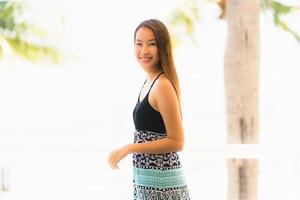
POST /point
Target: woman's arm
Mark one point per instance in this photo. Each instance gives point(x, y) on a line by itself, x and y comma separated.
point(166, 102)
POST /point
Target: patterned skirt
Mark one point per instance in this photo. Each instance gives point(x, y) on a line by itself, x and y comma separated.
point(157, 176)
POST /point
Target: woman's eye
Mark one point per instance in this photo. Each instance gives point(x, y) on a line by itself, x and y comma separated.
point(138, 44)
point(153, 44)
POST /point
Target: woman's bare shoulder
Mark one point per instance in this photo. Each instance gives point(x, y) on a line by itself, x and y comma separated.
point(163, 86)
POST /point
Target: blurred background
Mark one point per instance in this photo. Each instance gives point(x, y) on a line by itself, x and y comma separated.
point(69, 82)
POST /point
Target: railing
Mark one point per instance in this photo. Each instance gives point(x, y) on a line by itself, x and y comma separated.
point(202, 152)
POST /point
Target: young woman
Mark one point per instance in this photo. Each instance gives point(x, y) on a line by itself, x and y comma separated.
point(157, 118)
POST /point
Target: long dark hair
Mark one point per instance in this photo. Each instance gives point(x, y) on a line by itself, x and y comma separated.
point(163, 41)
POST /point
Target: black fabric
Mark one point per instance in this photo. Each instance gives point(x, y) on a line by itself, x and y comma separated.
point(145, 117)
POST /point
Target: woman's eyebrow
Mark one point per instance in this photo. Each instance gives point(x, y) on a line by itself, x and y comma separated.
point(147, 41)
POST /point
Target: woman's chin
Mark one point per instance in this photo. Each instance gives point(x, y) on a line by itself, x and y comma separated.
point(146, 66)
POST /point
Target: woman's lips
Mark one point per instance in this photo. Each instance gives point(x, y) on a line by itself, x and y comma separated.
point(145, 59)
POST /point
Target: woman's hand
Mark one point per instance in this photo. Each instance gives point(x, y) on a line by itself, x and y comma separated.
point(117, 155)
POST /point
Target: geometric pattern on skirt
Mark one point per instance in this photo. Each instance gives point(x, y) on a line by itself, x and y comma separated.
point(157, 176)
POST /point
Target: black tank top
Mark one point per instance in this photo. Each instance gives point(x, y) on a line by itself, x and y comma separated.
point(145, 117)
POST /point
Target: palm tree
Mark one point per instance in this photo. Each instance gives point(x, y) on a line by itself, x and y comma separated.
point(241, 63)
point(16, 35)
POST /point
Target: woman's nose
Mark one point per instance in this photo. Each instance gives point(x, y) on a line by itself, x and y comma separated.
point(144, 49)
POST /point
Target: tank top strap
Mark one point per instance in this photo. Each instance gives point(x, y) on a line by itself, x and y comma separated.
point(141, 90)
point(150, 86)
point(156, 79)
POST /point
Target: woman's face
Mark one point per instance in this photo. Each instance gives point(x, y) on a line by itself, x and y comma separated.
point(146, 51)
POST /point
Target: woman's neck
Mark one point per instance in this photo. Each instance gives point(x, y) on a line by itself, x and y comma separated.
point(153, 74)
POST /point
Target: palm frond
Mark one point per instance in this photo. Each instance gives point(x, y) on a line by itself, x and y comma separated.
point(33, 52)
point(278, 10)
point(26, 39)
point(184, 19)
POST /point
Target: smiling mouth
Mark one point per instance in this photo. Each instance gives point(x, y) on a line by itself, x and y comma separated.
point(145, 58)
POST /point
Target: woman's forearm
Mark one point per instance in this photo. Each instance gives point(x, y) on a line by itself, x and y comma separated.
point(164, 145)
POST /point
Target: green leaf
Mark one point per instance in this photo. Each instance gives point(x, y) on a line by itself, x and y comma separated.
point(16, 32)
point(278, 10)
point(33, 52)
point(184, 17)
